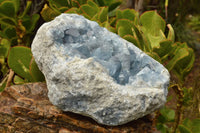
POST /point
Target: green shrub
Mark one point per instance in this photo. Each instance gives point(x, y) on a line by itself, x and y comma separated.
point(194, 23)
point(16, 28)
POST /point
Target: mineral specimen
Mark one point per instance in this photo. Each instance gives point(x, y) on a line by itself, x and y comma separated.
point(94, 72)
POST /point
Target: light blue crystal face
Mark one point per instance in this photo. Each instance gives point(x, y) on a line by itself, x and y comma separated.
point(118, 57)
point(123, 61)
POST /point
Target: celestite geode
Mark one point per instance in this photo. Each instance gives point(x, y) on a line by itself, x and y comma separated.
point(94, 72)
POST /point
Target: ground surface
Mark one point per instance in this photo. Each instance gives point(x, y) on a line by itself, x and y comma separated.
point(26, 108)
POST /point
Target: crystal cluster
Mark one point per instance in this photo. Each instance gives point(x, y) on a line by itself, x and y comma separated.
point(94, 72)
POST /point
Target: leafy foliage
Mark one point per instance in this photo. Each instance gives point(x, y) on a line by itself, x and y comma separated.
point(190, 126)
point(4, 49)
point(20, 60)
point(194, 23)
point(149, 36)
point(16, 28)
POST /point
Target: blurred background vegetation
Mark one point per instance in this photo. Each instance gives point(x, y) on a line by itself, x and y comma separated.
point(169, 32)
point(183, 15)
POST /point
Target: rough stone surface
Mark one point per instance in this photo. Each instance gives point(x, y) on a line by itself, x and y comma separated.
point(27, 109)
point(94, 72)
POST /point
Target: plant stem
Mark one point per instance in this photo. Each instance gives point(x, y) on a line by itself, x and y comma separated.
point(180, 94)
point(166, 12)
point(10, 77)
point(196, 97)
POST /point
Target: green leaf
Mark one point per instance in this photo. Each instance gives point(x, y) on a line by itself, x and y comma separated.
point(59, 3)
point(34, 20)
point(181, 45)
point(184, 129)
point(124, 27)
point(10, 32)
point(190, 59)
point(17, 5)
point(72, 10)
point(35, 72)
point(187, 122)
point(8, 21)
point(27, 8)
point(4, 48)
point(195, 125)
point(19, 59)
point(131, 39)
point(114, 5)
point(105, 24)
point(13, 41)
point(155, 40)
point(48, 13)
point(152, 22)
point(190, 125)
point(188, 97)
point(100, 2)
point(168, 114)
point(95, 18)
point(162, 127)
point(119, 14)
point(154, 56)
point(2, 86)
point(144, 43)
point(29, 22)
point(7, 8)
point(89, 10)
point(63, 9)
point(182, 56)
point(92, 4)
point(18, 80)
point(112, 21)
point(129, 14)
point(75, 4)
point(112, 29)
point(165, 49)
point(62, 3)
point(122, 31)
point(2, 59)
point(103, 14)
point(81, 2)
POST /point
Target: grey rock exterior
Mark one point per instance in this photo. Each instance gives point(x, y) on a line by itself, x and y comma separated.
point(94, 72)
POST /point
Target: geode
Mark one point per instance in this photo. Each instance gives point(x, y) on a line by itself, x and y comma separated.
point(94, 72)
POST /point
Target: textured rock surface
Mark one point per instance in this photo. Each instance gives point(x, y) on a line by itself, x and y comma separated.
point(94, 72)
point(27, 109)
